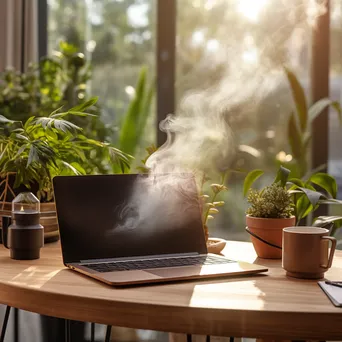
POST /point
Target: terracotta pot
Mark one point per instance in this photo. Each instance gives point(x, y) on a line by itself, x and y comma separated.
point(270, 230)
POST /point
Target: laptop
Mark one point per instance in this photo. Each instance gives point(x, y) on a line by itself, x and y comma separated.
point(131, 229)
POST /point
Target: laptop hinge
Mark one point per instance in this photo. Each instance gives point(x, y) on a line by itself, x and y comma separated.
point(145, 257)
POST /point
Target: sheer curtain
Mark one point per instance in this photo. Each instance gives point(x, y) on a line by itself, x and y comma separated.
point(18, 33)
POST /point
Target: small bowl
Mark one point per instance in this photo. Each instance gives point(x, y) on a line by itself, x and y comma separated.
point(215, 245)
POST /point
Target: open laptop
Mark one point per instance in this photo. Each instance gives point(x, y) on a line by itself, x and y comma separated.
point(130, 229)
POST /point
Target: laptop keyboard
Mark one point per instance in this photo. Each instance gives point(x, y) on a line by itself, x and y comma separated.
point(157, 263)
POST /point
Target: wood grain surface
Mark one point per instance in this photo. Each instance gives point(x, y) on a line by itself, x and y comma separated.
point(264, 306)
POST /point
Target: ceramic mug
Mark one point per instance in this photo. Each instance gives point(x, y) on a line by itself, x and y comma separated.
point(306, 252)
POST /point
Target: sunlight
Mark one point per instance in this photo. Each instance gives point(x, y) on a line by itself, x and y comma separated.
point(197, 38)
point(230, 294)
point(250, 56)
point(251, 8)
point(33, 276)
point(212, 45)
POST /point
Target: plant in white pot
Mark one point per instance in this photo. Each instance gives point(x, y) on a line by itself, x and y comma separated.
point(284, 203)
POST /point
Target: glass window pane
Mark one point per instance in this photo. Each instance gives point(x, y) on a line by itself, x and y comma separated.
point(117, 38)
point(231, 55)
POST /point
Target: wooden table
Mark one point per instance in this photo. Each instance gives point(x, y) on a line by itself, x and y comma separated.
point(265, 306)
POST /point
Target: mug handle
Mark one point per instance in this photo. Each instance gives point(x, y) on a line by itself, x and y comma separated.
point(332, 251)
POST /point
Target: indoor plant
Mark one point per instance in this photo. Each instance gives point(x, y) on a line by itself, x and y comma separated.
point(299, 124)
point(285, 202)
point(210, 208)
point(271, 210)
point(34, 151)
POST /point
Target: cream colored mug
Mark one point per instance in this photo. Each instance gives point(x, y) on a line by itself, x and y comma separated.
point(306, 252)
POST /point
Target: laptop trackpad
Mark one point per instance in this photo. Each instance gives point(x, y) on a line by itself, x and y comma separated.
point(176, 272)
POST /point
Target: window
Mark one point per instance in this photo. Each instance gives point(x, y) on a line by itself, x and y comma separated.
point(118, 39)
point(232, 53)
point(228, 53)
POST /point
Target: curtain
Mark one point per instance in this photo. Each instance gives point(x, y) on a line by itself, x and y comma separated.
point(18, 33)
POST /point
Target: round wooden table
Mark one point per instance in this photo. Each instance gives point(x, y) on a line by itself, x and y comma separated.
point(264, 306)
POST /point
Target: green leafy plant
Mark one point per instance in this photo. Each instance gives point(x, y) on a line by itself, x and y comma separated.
point(137, 114)
point(211, 203)
point(305, 199)
point(300, 121)
point(57, 80)
point(143, 167)
point(42, 147)
point(273, 201)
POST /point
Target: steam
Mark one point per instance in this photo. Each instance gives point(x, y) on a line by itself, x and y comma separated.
point(157, 202)
point(200, 136)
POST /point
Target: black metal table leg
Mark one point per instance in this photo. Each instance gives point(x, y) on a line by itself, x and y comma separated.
point(207, 339)
point(231, 339)
point(16, 325)
point(188, 337)
point(4, 324)
point(67, 331)
point(108, 331)
point(92, 332)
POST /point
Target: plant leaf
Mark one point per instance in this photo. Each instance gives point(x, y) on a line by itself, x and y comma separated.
point(324, 221)
point(81, 107)
point(250, 179)
point(326, 182)
point(321, 221)
point(72, 168)
point(317, 108)
point(295, 181)
point(33, 156)
point(28, 122)
point(313, 196)
point(299, 99)
point(303, 207)
point(282, 176)
point(55, 111)
point(294, 137)
point(136, 116)
point(5, 120)
point(337, 106)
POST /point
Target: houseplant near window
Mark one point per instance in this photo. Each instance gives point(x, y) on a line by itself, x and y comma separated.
point(271, 210)
point(34, 151)
point(285, 203)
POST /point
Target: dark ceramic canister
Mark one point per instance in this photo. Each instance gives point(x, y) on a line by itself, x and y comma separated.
point(22, 233)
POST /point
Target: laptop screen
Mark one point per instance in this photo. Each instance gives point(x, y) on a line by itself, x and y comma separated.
point(112, 216)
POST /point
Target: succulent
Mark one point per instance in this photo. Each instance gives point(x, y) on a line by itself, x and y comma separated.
point(273, 201)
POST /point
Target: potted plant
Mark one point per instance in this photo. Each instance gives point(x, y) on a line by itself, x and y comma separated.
point(210, 208)
point(34, 151)
point(284, 203)
point(271, 210)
